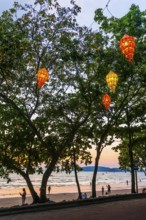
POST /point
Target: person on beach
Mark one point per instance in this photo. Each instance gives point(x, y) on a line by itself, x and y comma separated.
point(102, 190)
point(127, 182)
point(49, 189)
point(108, 189)
point(23, 195)
point(84, 195)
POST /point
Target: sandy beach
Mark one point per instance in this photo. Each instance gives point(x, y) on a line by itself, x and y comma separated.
point(121, 210)
point(56, 197)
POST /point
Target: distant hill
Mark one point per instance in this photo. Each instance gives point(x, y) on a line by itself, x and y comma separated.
point(101, 169)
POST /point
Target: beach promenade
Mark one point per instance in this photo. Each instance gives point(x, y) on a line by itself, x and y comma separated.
point(119, 210)
point(130, 209)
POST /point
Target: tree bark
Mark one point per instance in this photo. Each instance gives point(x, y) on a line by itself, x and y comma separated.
point(130, 150)
point(95, 173)
point(76, 175)
point(34, 195)
point(46, 175)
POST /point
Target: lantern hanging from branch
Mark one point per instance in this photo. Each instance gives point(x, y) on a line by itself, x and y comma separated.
point(112, 79)
point(106, 100)
point(42, 76)
point(127, 46)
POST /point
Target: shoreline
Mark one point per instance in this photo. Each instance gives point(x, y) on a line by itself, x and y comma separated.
point(14, 192)
point(56, 197)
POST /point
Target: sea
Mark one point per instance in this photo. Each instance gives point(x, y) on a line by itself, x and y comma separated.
point(65, 183)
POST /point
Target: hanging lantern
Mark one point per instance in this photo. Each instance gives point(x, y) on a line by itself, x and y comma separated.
point(127, 45)
point(106, 100)
point(42, 77)
point(112, 79)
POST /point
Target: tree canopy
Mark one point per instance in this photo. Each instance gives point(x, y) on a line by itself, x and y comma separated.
point(61, 121)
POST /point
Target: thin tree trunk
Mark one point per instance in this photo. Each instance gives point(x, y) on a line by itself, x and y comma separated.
point(76, 175)
point(132, 169)
point(95, 174)
point(130, 149)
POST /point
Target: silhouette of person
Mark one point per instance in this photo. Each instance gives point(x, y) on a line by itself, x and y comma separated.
point(102, 190)
point(108, 189)
point(23, 195)
point(49, 189)
point(127, 182)
point(85, 195)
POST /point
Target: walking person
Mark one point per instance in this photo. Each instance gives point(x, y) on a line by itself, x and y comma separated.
point(23, 195)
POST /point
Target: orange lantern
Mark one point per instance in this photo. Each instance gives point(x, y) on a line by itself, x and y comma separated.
point(112, 79)
point(42, 77)
point(106, 100)
point(127, 45)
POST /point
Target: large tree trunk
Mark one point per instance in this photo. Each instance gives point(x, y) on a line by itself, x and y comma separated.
point(35, 196)
point(54, 161)
point(45, 177)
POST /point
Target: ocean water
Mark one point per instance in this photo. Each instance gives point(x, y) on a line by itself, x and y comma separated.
point(116, 179)
point(63, 182)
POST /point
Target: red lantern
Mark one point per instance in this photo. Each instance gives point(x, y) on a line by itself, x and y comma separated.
point(127, 45)
point(42, 77)
point(106, 100)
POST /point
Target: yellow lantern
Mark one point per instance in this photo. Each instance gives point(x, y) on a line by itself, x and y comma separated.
point(106, 100)
point(127, 46)
point(42, 76)
point(112, 79)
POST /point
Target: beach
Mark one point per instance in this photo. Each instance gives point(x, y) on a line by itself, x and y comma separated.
point(63, 187)
point(55, 197)
point(122, 210)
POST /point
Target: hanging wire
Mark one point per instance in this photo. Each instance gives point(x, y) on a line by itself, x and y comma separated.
point(91, 24)
point(106, 7)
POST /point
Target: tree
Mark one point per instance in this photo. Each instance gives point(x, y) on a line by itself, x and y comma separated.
point(132, 75)
point(42, 123)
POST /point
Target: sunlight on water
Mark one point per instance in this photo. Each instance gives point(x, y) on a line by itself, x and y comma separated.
point(60, 181)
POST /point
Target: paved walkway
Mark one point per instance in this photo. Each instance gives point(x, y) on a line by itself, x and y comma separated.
point(121, 210)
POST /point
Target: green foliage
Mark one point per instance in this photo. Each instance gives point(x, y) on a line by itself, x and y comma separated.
point(58, 124)
point(39, 126)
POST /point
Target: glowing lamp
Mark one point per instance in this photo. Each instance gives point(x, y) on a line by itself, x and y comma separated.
point(112, 79)
point(42, 77)
point(106, 100)
point(127, 46)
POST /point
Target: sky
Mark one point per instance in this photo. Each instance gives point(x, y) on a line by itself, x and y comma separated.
point(117, 8)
